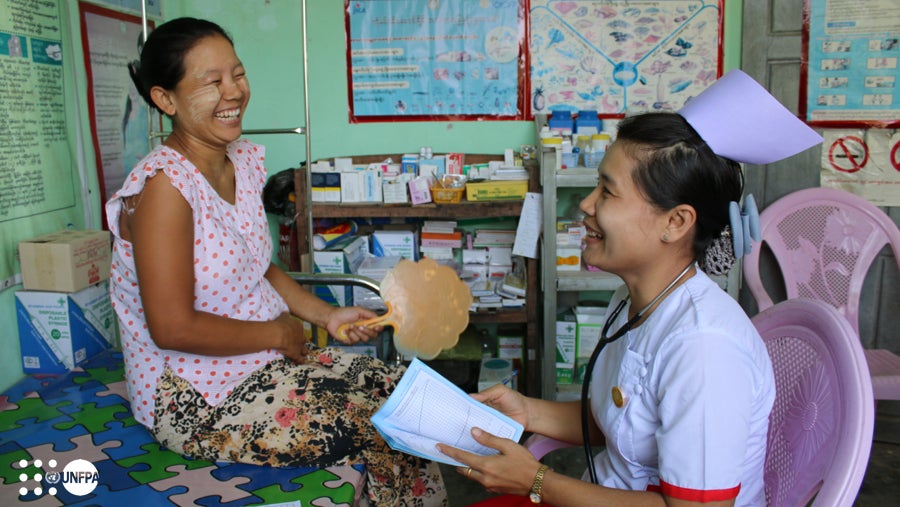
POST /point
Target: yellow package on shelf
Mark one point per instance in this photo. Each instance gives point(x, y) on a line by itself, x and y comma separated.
point(500, 190)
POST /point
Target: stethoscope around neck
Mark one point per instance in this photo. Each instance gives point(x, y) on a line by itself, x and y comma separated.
point(605, 339)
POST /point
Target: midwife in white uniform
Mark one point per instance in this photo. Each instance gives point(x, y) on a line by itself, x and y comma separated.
point(681, 393)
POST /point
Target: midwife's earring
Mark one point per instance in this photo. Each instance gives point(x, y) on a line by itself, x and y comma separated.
point(665, 237)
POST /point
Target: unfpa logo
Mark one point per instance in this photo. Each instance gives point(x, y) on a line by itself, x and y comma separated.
point(79, 477)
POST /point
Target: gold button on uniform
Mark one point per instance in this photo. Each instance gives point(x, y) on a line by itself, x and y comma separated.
point(617, 397)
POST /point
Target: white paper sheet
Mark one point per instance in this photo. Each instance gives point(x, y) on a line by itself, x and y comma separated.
point(426, 408)
point(529, 229)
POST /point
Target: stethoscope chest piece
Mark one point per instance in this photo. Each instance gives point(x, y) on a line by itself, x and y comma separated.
point(618, 397)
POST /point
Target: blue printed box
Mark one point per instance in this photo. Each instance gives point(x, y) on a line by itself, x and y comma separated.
point(342, 258)
point(59, 331)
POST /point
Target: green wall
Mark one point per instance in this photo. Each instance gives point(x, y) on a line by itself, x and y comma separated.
point(268, 37)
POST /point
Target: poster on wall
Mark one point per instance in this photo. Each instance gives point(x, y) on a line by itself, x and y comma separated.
point(435, 59)
point(37, 173)
point(618, 56)
point(850, 63)
point(153, 7)
point(865, 162)
point(119, 116)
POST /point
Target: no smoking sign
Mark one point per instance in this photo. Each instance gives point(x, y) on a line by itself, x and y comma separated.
point(895, 156)
point(849, 154)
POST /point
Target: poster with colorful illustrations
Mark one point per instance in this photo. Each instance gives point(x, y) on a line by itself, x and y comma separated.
point(618, 56)
point(851, 65)
point(435, 59)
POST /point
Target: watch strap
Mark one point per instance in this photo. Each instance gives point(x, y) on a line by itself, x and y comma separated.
point(537, 485)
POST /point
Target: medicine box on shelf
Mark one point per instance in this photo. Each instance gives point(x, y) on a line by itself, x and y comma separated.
point(500, 190)
point(343, 257)
point(566, 336)
point(395, 242)
point(590, 323)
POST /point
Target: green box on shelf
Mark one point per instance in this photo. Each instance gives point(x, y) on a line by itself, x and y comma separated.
point(566, 336)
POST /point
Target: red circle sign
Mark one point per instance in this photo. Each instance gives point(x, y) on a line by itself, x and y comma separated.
point(895, 159)
point(848, 154)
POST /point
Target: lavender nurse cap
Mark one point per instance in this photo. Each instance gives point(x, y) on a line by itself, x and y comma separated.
point(741, 121)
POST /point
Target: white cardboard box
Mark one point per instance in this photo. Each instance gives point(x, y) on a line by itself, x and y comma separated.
point(420, 189)
point(59, 330)
point(590, 321)
point(394, 189)
point(341, 258)
point(65, 261)
point(566, 339)
point(326, 186)
point(390, 242)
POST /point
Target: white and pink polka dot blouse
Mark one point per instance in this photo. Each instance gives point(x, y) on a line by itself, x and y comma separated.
point(232, 252)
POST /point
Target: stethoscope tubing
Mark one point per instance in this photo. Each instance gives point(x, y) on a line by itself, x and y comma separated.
point(589, 370)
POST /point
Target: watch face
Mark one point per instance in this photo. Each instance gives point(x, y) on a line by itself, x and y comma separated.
point(534, 497)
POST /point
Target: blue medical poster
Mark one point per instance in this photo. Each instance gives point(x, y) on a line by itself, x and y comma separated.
point(435, 59)
point(851, 66)
point(618, 56)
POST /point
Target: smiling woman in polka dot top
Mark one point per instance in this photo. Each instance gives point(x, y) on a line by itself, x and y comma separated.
point(216, 359)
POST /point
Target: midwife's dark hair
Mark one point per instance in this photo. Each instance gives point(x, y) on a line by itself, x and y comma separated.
point(676, 166)
point(162, 57)
point(278, 193)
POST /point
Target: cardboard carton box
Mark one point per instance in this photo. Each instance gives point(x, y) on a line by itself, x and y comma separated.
point(59, 331)
point(386, 243)
point(326, 186)
point(343, 257)
point(590, 321)
point(566, 335)
point(65, 261)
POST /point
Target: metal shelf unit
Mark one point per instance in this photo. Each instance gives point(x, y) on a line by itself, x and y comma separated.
point(554, 282)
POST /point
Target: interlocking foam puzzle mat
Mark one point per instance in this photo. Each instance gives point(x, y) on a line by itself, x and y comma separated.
point(52, 427)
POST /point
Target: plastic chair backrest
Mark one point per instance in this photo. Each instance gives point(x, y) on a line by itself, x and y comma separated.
point(824, 241)
point(820, 428)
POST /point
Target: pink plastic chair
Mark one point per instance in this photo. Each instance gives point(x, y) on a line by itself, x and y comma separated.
point(824, 241)
point(820, 427)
